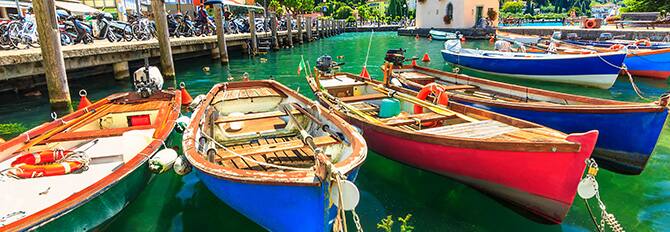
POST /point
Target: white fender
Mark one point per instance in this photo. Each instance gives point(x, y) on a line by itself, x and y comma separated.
point(163, 160)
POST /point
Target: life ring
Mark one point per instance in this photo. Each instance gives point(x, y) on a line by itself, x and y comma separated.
point(616, 47)
point(590, 23)
point(644, 42)
point(43, 164)
point(440, 95)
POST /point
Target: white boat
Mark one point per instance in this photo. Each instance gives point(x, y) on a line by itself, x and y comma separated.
point(443, 35)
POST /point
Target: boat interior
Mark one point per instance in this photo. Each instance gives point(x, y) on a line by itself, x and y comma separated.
point(456, 121)
point(465, 86)
point(94, 137)
point(254, 125)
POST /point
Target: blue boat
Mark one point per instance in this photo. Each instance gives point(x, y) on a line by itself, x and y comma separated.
point(275, 156)
point(639, 44)
point(628, 131)
point(597, 70)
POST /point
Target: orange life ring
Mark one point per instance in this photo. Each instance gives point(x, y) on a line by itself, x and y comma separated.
point(440, 95)
point(590, 23)
point(42, 164)
point(617, 47)
point(646, 42)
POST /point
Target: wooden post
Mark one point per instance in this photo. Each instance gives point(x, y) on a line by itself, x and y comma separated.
point(167, 65)
point(220, 33)
point(289, 31)
point(52, 56)
point(273, 28)
point(298, 22)
point(318, 28)
point(252, 28)
point(308, 27)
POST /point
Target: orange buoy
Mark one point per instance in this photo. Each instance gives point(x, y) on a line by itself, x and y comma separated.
point(440, 95)
point(416, 37)
point(462, 38)
point(186, 98)
point(45, 163)
point(83, 101)
point(364, 73)
point(643, 42)
point(425, 58)
point(616, 47)
point(413, 62)
point(492, 39)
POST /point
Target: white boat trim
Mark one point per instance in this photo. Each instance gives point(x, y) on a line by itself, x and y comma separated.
point(603, 81)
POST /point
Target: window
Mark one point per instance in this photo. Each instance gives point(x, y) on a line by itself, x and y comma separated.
point(450, 13)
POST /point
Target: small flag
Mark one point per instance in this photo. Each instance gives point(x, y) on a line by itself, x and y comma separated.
point(301, 66)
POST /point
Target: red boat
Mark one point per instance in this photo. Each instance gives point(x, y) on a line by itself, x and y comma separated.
point(528, 165)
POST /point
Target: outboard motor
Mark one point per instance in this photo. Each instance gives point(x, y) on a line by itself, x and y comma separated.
point(147, 80)
point(557, 35)
point(325, 63)
point(395, 56)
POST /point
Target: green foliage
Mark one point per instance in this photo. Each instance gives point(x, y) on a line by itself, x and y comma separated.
point(343, 12)
point(351, 19)
point(646, 5)
point(396, 8)
point(11, 129)
point(386, 224)
point(512, 7)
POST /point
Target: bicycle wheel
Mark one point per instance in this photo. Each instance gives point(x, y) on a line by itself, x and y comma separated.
point(128, 33)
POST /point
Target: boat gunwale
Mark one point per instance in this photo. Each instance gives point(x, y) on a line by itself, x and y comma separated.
point(96, 189)
point(293, 178)
point(468, 143)
point(606, 105)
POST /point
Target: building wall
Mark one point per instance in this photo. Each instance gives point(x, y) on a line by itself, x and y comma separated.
point(430, 13)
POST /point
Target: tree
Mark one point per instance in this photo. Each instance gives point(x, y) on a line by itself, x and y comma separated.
point(529, 7)
point(512, 7)
point(396, 8)
point(343, 12)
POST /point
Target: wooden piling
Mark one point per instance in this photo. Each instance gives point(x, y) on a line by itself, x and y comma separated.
point(252, 29)
point(121, 70)
point(308, 27)
point(52, 56)
point(220, 34)
point(160, 17)
point(318, 28)
point(273, 28)
point(289, 30)
point(298, 22)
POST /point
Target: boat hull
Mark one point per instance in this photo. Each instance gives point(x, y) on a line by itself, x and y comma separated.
point(653, 64)
point(101, 208)
point(580, 70)
point(542, 183)
point(278, 207)
point(623, 149)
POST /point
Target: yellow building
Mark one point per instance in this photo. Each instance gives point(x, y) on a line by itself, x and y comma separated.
point(454, 13)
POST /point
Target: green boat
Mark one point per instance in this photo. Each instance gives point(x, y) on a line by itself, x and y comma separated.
point(76, 172)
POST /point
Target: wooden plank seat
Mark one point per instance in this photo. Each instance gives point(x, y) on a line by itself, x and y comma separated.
point(458, 87)
point(281, 146)
point(366, 97)
point(244, 93)
point(416, 118)
point(82, 135)
point(417, 76)
point(476, 130)
point(365, 107)
point(261, 115)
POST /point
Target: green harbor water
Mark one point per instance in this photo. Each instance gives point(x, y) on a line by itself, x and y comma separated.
point(174, 203)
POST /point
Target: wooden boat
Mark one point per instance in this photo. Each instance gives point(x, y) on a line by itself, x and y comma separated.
point(641, 44)
point(597, 70)
point(106, 147)
point(624, 149)
point(253, 157)
point(443, 35)
point(533, 167)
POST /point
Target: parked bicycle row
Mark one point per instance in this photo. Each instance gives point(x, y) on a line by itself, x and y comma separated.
point(21, 31)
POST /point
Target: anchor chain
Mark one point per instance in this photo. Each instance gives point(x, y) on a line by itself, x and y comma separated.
point(587, 189)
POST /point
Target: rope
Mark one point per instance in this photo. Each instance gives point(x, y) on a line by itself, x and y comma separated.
point(369, 45)
point(630, 77)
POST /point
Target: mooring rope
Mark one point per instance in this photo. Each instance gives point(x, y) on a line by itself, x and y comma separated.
point(369, 45)
point(630, 77)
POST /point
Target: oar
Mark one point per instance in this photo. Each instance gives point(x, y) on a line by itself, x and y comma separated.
point(306, 137)
point(322, 125)
point(352, 109)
